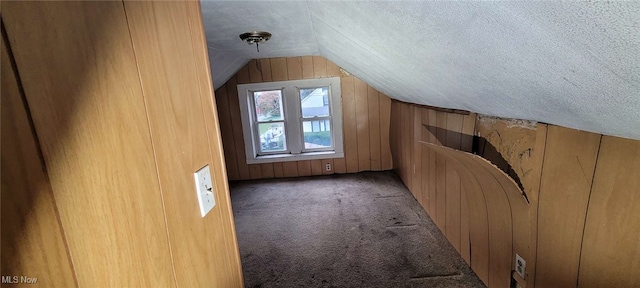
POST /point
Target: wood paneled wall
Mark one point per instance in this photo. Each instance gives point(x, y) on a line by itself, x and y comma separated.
point(122, 107)
point(27, 237)
point(581, 220)
point(365, 120)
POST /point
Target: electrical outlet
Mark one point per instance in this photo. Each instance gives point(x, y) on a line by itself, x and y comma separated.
point(327, 167)
point(521, 266)
point(204, 190)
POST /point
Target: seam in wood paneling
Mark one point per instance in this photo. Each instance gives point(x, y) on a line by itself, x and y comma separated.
point(207, 97)
point(153, 148)
point(586, 211)
point(22, 172)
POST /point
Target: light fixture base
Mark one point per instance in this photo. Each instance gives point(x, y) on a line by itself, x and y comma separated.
point(255, 37)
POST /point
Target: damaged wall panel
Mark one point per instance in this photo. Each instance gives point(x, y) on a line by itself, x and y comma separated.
point(429, 176)
point(509, 144)
point(579, 226)
point(486, 184)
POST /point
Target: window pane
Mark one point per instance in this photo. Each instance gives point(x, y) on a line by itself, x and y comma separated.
point(268, 105)
point(313, 138)
point(272, 137)
point(314, 102)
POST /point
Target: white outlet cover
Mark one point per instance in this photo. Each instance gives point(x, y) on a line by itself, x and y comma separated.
point(204, 190)
point(521, 266)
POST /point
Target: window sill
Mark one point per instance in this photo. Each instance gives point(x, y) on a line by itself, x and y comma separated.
point(291, 157)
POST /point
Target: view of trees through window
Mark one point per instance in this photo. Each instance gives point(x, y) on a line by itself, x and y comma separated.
point(268, 105)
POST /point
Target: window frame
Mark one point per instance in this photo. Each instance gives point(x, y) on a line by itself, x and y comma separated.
point(293, 121)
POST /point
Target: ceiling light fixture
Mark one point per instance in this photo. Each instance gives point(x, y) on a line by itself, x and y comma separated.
point(256, 37)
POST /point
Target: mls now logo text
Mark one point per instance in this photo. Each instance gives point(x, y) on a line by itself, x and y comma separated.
point(19, 280)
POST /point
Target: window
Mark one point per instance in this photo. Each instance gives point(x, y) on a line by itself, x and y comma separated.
point(291, 120)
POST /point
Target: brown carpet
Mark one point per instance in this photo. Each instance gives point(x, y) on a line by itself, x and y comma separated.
point(355, 230)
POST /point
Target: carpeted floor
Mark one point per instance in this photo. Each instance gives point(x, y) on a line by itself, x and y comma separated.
point(356, 230)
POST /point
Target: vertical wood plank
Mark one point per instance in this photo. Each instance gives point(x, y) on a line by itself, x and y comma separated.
point(255, 76)
point(319, 67)
point(385, 120)
point(340, 165)
point(465, 246)
point(236, 123)
point(569, 163)
point(452, 186)
point(267, 170)
point(290, 169)
point(424, 187)
point(278, 170)
point(424, 136)
point(538, 156)
point(362, 125)
point(32, 237)
point(468, 131)
point(226, 129)
point(307, 67)
point(243, 74)
point(304, 168)
point(332, 69)
point(441, 172)
point(294, 68)
point(405, 132)
point(374, 128)
point(349, 123)
point(416, 157)
point(432, 117)
point(255, 171)
point(466, 144)
point(316, 167)
point(279, 69)
point(611, 245)
point(407, 137)
point(265, 69)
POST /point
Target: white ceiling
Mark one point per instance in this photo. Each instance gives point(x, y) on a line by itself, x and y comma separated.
point(575, 64)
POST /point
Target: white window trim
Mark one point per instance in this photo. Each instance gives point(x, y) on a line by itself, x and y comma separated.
point(293, 126)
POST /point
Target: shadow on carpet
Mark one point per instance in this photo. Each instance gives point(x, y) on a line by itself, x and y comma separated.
point(353, 230)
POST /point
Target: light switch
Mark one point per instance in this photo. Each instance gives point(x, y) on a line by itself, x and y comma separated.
point(204, 190)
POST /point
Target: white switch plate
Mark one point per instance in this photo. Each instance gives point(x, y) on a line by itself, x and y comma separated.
point(521, 266)
point(204, 190)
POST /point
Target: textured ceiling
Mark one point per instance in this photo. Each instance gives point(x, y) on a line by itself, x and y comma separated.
point(575, 64)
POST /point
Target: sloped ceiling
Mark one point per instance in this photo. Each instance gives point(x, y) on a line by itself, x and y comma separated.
point(575, 64)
